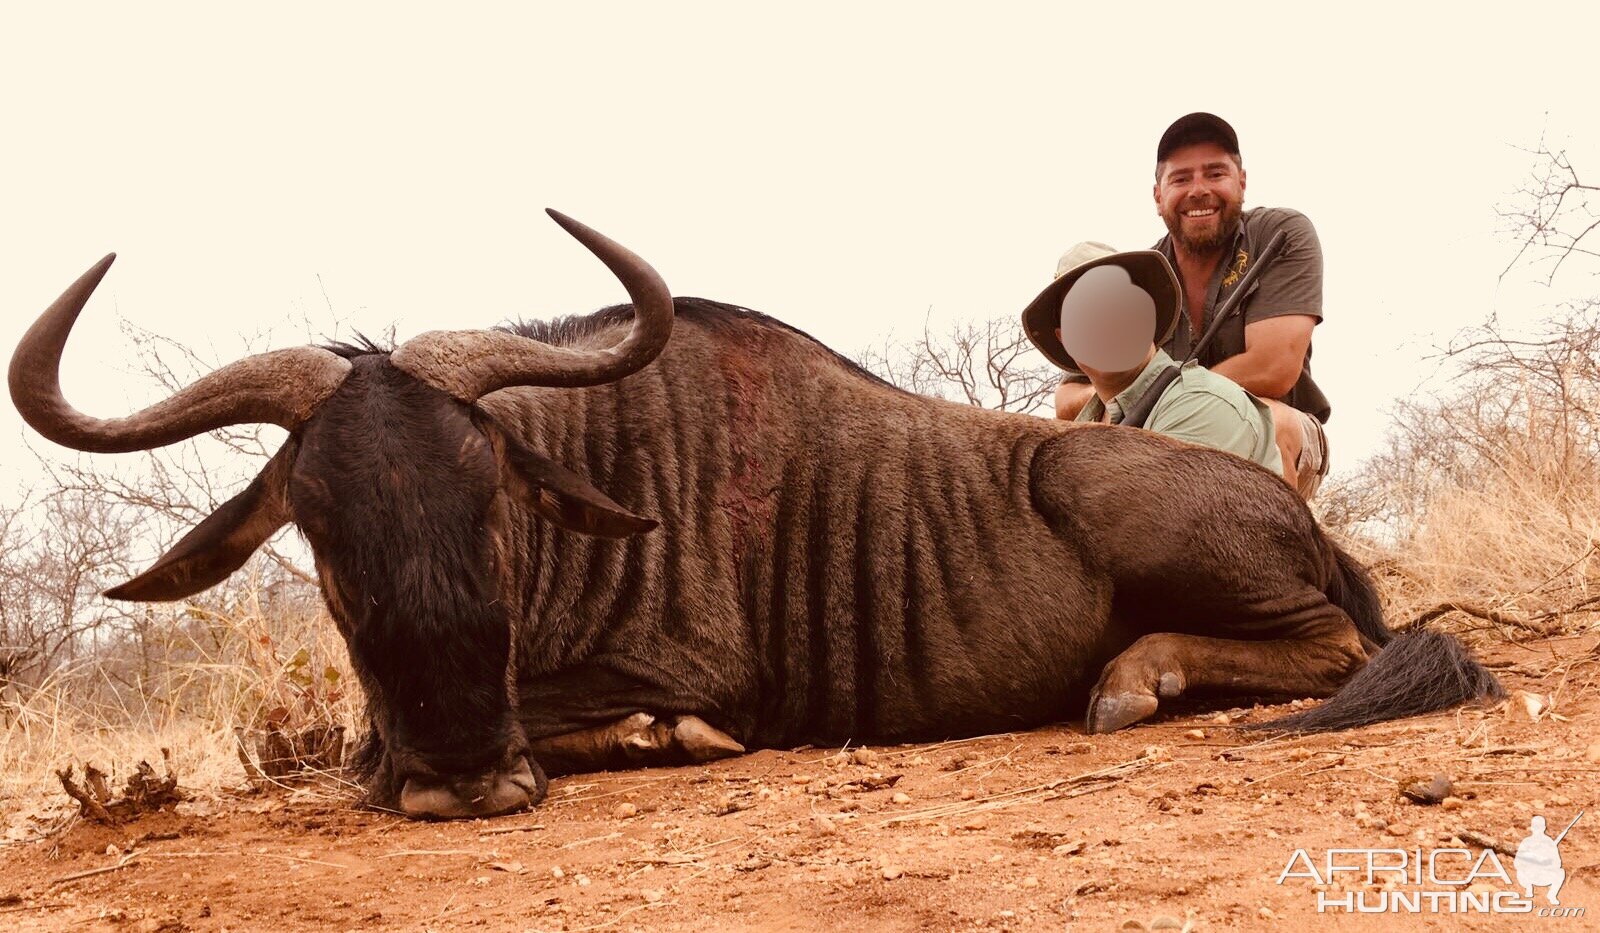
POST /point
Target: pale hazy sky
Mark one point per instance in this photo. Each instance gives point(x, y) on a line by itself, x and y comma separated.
point(849, 168)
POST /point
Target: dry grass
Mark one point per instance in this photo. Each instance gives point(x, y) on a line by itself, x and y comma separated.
point(220, 668)
point(1513, 555)
point(1508, 548)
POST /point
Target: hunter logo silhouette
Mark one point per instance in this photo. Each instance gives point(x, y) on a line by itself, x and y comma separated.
point(1538, 861)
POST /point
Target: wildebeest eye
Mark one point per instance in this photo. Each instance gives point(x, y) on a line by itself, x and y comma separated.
point(310, 500)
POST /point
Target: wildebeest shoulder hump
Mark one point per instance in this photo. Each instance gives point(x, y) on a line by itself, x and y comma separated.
point(713, 316)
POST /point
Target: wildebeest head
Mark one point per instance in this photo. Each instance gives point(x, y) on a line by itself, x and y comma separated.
point(400, 483)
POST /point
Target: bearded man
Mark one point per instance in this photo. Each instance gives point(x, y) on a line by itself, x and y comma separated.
point(1211, 241)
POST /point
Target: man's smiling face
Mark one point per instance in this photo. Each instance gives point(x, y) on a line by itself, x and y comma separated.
point(1200, 194)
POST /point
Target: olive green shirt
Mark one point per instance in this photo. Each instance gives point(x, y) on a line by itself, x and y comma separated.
point(1200, 407)
point(1293, 285)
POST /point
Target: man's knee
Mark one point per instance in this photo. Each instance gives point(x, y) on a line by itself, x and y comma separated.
point(1286, 424)
point(1303, 445)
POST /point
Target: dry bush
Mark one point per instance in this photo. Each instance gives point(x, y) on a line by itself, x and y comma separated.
point(89, 679)
point(251, 662)
point(55, 556)
point(1554, 214)
point(1486, 503)
point(1488, 496)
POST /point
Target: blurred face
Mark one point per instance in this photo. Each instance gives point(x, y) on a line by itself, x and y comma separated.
point(1107, 322)
point(1200, 194)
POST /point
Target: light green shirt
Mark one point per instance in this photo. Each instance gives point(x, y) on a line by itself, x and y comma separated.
point(1200, 407)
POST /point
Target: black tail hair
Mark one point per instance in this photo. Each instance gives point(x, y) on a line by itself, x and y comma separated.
point(1351, 589)
point(366, 759)
point(1415, 672)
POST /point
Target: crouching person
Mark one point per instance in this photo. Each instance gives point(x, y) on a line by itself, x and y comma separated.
point(1105, 316)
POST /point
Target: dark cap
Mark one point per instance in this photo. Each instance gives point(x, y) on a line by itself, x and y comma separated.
point(1198, 127)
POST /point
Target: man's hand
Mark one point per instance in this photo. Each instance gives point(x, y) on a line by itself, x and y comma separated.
point(1274, 353)
point(1071, 397)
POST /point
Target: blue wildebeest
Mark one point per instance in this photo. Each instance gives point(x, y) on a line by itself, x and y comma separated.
point(825, 557)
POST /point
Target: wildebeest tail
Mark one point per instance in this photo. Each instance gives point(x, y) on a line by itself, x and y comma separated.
point(1351, 589)
point(366, 758)
point(1414, 672)
point(1418, 672)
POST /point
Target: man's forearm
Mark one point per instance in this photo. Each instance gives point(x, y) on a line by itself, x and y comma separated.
point(1265, 375)
point(1274, 353)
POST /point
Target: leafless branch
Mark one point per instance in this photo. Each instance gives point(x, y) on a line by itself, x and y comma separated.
point(989, 364)
point(1553, 213)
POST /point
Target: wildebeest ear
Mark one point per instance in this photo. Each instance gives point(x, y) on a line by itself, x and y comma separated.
point(223, 542)
point(568, 499)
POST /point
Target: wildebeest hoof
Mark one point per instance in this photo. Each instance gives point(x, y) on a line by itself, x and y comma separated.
point(492, 793)
point(634, 740)
point(703, 742)
point(1110, 713)
point(1134, 683)
point(638, 740)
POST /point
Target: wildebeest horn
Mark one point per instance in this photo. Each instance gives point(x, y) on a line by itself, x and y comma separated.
point(282, 387)
point(469, 364)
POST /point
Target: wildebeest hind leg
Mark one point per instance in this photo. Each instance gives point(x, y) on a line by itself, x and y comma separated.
point(1312, 660)
point(634, 741)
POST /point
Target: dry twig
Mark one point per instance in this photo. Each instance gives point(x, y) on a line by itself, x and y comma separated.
point(126, 860)
point(1484, 840)
point(1062, 788)
point(1534, 624)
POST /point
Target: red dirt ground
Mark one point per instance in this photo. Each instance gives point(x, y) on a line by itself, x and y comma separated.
point(1189, 819)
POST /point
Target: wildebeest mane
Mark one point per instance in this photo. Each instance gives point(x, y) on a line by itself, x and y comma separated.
point(362, 345)
point(715, 316)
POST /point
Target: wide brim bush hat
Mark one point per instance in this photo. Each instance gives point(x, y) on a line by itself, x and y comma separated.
point(1147, 268)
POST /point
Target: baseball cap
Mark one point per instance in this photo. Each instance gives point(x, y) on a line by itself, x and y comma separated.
point(1198, 127)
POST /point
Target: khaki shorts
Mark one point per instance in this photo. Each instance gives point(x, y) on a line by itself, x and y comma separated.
point(1312, 465)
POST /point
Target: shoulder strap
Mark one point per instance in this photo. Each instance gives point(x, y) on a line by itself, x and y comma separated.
point(1139, 411)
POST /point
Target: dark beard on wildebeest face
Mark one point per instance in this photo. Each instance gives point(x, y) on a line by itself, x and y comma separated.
point(1202, 244)
point(427, 629)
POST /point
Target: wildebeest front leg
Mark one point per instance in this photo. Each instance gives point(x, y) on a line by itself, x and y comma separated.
point(634, 741)
point(1313, 661)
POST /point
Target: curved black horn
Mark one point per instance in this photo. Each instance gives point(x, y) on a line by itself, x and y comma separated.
point(469, 364)
point(282, 387)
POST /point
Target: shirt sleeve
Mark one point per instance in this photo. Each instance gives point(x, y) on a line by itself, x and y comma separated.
point(1293, 284)
point(1205, 419)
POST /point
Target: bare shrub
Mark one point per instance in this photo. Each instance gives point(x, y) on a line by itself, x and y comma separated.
point(990, 364)
point(1553, 215)
point(54, 560)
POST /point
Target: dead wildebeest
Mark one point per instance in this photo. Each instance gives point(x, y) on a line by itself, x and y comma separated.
point(835, 559)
